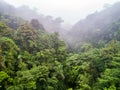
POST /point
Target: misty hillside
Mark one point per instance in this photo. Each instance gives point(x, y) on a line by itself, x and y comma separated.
point(34, 57)
point(94, 26)
point(50, 24)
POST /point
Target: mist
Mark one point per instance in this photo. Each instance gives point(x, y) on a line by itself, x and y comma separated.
point(70, 10)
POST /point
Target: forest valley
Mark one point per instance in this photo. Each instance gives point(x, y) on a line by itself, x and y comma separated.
point(33, 59)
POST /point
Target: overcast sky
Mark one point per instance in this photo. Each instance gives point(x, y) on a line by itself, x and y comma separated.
point(70, 10)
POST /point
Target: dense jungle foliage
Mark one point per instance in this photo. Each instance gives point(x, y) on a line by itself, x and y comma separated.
point(33, 59)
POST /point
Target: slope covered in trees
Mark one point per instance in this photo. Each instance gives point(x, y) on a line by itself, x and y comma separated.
point(95, 26)
point(33, 59)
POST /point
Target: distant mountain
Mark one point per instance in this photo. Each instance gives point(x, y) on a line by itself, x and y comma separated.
point(6, 8)
point(94, 26)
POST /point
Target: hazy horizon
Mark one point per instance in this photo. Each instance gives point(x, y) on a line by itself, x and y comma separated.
point(71, 11)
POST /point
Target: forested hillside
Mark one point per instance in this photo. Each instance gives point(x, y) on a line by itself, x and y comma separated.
point(33, 59)
point(95, 27)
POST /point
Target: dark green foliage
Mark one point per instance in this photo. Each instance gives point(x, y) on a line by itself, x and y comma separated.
point(11, 21)
point(36, 25)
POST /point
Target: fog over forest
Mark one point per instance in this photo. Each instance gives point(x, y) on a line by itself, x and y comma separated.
point(43, 52)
